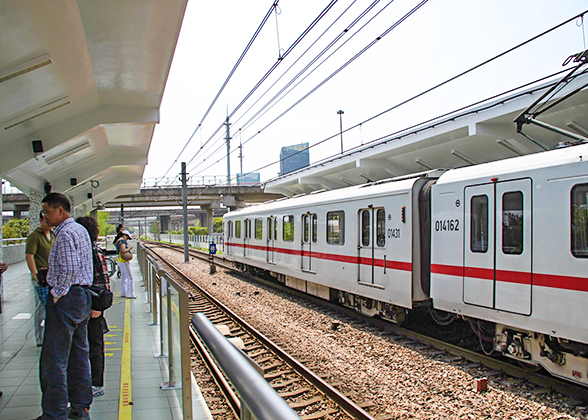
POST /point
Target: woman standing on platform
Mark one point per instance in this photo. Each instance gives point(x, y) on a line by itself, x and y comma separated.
point(38, 247)
point(97, 326)
point(127, 283)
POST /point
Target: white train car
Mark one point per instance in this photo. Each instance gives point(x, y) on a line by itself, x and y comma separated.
point(359, 245)
point(509, 245)
point(504, 244)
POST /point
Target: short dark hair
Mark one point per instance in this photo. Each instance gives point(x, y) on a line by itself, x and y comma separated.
point(91, 226)
point(57, 200)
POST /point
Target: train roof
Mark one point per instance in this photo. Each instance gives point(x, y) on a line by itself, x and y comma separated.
point(374, 189)
point(535, 161)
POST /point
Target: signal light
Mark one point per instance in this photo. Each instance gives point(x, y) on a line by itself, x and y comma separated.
point(403, 214)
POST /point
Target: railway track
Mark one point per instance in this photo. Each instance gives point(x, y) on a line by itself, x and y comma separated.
point(307, 393)
point(497, 370)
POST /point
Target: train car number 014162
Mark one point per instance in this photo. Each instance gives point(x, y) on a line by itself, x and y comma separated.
point(447, 225)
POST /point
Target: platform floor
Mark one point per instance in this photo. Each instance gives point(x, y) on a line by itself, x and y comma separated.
point(19, 358)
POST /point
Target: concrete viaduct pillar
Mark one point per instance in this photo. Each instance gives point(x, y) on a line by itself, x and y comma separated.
point(163, 223)
point(209, 224)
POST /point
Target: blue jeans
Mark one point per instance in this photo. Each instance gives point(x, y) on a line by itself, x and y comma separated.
point(65, 367)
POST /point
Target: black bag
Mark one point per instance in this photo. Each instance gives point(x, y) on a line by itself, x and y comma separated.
point(101, 298)
point(42, 277)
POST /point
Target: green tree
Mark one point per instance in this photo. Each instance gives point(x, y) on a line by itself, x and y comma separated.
point(217, 225)
point(16, 228)
point(104, 228)
point(197, 230)
point(154, 228)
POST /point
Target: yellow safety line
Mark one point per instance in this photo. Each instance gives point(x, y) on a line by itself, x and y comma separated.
point(125, 407)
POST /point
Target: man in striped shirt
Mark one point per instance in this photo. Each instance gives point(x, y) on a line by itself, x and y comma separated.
point(65, 367)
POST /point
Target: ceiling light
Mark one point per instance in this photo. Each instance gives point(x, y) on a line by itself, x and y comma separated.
point(423, 163)
point(577, 128)
point(463, 157)
point(24, 68)
point(67, 152)
point(510, 146)
point(45, 109)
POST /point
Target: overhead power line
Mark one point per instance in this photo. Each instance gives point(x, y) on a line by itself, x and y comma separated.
point(270, 71)
point(419, 94)
point(249, 44)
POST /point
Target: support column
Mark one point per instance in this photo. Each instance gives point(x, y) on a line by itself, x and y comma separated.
point(163, 223)
point(209, 224)
point(94, 214)
point(35, 207)
point(1, 225)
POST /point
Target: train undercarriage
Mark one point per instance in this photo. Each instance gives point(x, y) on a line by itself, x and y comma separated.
point(561, 358)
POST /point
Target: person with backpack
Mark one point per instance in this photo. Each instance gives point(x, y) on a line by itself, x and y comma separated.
point(127, 283)
point(101, 300)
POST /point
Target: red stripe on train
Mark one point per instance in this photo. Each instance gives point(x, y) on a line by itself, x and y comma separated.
point(544, 280)
point(393, 265)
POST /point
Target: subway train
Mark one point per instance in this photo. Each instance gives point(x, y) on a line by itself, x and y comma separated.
point(503, 245)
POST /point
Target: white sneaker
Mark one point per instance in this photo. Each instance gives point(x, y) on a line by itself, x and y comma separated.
point(97, 391)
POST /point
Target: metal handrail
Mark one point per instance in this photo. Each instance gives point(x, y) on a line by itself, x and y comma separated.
point(258, 395)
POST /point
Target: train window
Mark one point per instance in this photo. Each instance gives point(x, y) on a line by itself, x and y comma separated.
point(288, 232)
point(336, 227)
point(237, 228)
point(580, 221)
point(512, 223)
point(314, 227)
point(247, 228)
point(381, 227)
point(230, 230)
point(305, 228)
point(258, 228)
point(365, 227)
point(479, 223)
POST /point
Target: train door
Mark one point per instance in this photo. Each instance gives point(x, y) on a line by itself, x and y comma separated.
point(497, 254)
point(272, 231)
point(309, 238)
point(371, 245)
point(247, 239)
point(229, 241)
point(514, 276)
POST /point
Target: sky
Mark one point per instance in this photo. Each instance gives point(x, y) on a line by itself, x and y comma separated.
point(438, 41)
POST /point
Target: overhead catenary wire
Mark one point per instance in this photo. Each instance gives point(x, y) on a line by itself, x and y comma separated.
point(232, 72)
point(271, 70)
point(351, 60)
point(425, 91)
point(355, 21)
point(407, 130)
point(420, 94)
point(293, 64)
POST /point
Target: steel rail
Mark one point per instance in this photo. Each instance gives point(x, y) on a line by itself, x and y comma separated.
point(341, 400)
point(547, 381)
point(217, 375)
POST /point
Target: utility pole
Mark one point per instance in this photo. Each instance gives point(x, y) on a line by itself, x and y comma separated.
point(241, 158)
point(228, 138)
point(185, 211)
point(340, 112)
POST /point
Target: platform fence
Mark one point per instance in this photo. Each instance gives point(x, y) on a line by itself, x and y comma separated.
point(168, 303)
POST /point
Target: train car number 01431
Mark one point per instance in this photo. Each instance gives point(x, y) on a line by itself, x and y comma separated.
point(394, 233)
point(447, 225)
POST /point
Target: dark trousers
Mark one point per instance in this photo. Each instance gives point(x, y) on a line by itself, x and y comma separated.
point(65, 368)
point(96, 329)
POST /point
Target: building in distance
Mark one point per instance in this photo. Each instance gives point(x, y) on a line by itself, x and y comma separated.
point(250, 178)
point(294, 157)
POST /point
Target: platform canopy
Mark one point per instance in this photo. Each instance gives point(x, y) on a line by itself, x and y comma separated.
point(81, 84)
point(482, 133)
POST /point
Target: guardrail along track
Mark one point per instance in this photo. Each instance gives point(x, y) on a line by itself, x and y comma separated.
point(305, 392)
